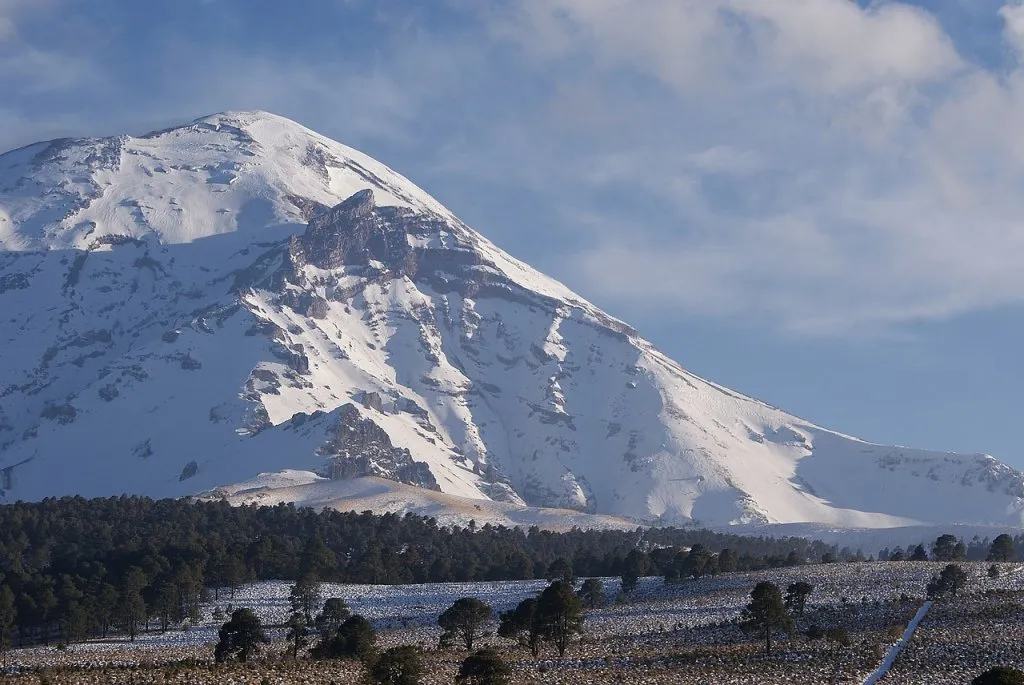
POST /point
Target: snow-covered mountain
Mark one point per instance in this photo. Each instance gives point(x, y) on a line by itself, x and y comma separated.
point(240, 295)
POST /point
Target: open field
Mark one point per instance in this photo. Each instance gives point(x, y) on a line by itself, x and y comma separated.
point(683, 633)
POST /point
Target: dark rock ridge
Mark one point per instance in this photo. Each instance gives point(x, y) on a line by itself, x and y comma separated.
point(385, 242)
point(359, 447)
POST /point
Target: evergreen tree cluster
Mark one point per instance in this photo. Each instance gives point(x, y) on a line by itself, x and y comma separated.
point(78, 568)
point(554, 617)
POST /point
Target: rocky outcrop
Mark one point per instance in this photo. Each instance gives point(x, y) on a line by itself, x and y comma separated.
point(353, 233)
point(394, 242)
point(359, 447)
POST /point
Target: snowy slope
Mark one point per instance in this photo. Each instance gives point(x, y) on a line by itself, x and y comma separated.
point(307, 489)
point(191, 308)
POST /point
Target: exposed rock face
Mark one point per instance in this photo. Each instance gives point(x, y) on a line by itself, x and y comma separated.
point(359, 447)
point(392, 242)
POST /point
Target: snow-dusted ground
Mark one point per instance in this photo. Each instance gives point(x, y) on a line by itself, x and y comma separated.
point(679, 634)
point(157, 340)
point(408, 613)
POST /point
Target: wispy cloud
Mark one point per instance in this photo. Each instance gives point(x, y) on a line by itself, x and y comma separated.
point(819, 166)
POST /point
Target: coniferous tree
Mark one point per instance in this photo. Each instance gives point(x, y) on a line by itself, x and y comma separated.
point(168, 605)
point(520, 624)
point(948, 583)
point(796, 597)
point(104, 603)
point(766, 612)
point(305, 597)
point(592, 593)
point(334, 613)
point(317, 561)
point(560, 569)
point(948, 548)
point(466, 618)
point(483, 667)
point(131, 606)
point(919, 554)
point(559, 615)
point(634, 567)
point(239, 638)
point(695, 562)
point(354, 639)
point(1000, 675)
point(188, 583)
point(298, 633)
point(1002, 549)
point(74, 623)
point(59, 571)
point(8, 617)
point(398, 666)
point(726, 561)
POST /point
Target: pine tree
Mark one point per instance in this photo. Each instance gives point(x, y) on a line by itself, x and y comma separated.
point(167, 604)
point(560, 569)
point(520, 624)
point(354, 639)
point(634, 566)
point(305, 597)
point(239, 638)
point(948, 583)
point(398, 666)
point(947, 548)
point(559, 615)
point(8, 617)
point(796, 597)
point(334, 613)
point(592, 593)
point(1002, 549)
point(694, 563)
point(465, 619)
point(1000, 675)
point(484, 667)
point(298, 633)
point(766, 611)
point(726, 561)
point(131, 606)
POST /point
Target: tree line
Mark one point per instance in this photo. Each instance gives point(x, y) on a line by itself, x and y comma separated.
point(74, 568)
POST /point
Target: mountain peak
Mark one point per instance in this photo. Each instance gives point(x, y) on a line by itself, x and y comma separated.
point(187, 309)
point(243, 172)
point(247, 117)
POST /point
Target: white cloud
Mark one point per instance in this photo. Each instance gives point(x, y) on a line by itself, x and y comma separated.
point(31, 68)
point(815, 164)
point(810, 163)
point(1013, 16)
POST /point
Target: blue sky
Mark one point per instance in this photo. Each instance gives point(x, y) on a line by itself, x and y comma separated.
point(816, 202)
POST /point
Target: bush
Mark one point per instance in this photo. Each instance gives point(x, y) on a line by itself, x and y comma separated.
point(354, 639)
point(398, 666)
point(840, 636)
point(485, 667)
point(1000, 675)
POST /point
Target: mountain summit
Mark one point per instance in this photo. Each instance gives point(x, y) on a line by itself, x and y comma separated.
point(240, 295)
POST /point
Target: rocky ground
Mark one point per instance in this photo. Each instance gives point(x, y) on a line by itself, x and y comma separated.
point(683, 633)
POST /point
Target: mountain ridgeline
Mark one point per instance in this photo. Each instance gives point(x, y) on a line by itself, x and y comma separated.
point(185, 310)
